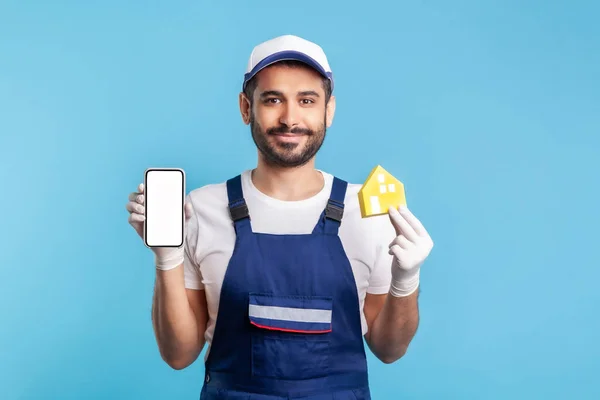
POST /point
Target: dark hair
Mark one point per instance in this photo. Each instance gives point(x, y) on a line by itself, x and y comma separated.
point(252, 83)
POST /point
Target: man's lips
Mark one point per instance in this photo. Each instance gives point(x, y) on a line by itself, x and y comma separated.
point(289, 133)
point(289, 137)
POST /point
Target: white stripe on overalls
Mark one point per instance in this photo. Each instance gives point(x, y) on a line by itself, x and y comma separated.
point(290, 314)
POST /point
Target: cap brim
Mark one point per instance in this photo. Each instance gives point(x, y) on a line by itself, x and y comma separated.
point(286, 55)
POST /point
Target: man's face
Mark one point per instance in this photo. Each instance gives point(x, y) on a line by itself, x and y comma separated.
point(289, 117)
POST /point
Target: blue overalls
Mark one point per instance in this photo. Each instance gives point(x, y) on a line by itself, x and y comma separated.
point(288, 325)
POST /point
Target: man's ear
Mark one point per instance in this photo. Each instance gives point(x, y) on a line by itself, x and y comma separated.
point(330, 110)
point(245, 108)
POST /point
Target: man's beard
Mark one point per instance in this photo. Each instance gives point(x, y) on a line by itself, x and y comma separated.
point(282, 154)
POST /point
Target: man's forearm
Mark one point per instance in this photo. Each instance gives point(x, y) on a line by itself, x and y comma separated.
point(174, 322)
point(394, 327)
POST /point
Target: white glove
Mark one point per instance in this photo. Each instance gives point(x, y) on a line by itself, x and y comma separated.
point(410, 248)
point(166, 258)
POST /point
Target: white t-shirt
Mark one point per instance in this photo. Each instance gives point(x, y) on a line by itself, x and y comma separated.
point(210, 237)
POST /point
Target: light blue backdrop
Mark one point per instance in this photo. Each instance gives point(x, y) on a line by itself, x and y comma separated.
point(487, 111)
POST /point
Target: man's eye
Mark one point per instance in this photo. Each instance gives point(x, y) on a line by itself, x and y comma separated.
point(272, 100)
point(307, 101)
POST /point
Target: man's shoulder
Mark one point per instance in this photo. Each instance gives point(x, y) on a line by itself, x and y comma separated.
point(216, 187)
point(209, 200)
point(208, 192)
point(352, 187)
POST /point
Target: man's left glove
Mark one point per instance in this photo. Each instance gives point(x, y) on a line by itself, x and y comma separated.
point(410, 248)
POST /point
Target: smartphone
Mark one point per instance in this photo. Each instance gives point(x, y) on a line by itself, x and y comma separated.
point(164, 198)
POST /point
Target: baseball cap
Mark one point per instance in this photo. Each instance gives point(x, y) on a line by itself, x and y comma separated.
point(287, 47)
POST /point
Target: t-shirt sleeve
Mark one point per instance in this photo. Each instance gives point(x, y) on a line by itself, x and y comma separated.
point(191, 269)
point(381, 273)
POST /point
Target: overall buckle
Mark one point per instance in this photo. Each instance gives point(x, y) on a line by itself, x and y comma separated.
point(238, 211)
point(334, 210)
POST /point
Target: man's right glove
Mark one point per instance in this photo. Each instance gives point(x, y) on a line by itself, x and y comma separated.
point(166, 258)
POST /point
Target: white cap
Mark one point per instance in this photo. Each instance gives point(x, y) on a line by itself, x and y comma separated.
point(287, 47)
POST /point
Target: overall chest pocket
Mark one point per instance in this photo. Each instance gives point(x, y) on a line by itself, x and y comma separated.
point(291, 335)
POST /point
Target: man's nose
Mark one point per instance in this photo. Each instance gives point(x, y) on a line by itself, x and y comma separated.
point(290, 115)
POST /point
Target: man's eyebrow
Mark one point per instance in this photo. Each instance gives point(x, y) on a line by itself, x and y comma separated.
point(270, 93)
point(280, 94)
point(308, 93)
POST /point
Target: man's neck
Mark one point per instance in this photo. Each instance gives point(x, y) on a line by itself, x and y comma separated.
point(288, 184)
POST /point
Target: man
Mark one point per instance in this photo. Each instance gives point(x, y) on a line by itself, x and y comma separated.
point(279, 274)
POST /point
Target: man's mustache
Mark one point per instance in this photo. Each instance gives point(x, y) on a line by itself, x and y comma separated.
point(284, 129)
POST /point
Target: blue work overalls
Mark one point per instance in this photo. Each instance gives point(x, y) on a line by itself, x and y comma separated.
point(289, 324)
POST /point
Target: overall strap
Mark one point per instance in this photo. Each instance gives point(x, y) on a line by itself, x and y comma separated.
point(238, 210)
point(334, 210)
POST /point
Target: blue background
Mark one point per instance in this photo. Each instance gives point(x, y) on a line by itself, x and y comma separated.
point(487, 111)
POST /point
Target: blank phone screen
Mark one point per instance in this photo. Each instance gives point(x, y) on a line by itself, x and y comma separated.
point(164, 194)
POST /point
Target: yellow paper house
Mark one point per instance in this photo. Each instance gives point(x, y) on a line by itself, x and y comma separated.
point(379, 192)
